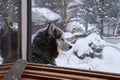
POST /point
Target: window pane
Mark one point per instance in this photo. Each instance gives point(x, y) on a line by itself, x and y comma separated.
point(82, 34)
point(9, 21)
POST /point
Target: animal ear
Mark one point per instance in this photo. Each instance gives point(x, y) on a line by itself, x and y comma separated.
point(51, 28)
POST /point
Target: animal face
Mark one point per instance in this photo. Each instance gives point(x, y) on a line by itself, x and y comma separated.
point(57, 33)
point(47, 43)
point(63, 45)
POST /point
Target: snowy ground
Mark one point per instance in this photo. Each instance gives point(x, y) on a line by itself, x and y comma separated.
point(107, 60)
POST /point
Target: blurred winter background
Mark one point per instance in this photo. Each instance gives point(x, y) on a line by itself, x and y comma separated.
point(92, 27)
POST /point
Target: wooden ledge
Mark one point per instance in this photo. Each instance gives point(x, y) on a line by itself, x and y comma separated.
point(21, 70)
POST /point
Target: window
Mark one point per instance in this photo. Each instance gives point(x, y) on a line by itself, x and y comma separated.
point(75, 39)
point(82, 34)
point(10, 31)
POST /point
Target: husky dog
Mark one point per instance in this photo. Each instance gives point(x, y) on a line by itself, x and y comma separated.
point(9, 43)
point(47, 43)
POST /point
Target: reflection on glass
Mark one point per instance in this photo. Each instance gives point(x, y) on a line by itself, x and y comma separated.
point(82, 34)
point(8, 31)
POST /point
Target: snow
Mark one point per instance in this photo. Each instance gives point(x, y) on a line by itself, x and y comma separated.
point(68, 35)
point(46, 13)
point(91, 26)
point(15, 26)
point(72, 4)
point(95, 38)
point(79, 26)
point(33, 3)
point(81, 46)
point(108, 62)
point(74, 24)
point(111, 60)
point(118, 45)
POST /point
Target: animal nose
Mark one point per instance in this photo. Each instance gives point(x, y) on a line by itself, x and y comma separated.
point(70, 47)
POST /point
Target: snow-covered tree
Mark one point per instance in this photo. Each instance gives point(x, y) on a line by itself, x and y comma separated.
point(101, 12)
point(98, 12)
point(105, 10)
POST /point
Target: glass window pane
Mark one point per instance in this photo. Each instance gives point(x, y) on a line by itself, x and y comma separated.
point(9, 30)
point(82, 34)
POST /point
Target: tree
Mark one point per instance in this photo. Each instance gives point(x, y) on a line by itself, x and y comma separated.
point(99, 12)
point(104, 11)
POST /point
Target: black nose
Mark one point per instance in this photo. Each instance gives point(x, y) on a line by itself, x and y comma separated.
point(70, 47)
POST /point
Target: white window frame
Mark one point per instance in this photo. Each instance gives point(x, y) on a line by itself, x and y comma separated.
point(24, 29)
